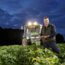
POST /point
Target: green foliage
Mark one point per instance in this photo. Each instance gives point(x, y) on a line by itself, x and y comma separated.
point(62, 53)
point(29, 55)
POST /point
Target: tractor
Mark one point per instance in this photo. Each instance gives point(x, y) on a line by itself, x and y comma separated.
point(32, 32)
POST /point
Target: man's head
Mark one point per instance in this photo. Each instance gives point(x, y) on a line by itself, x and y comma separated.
point(46, 21)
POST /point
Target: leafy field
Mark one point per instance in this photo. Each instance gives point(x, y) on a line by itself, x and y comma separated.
point(31, 55)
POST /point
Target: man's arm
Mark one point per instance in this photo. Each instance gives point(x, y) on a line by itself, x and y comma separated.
point(53, 32)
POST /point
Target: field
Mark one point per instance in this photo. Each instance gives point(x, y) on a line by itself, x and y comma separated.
point(31, 55)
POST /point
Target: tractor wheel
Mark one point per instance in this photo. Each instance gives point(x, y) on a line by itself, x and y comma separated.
point(29, 42)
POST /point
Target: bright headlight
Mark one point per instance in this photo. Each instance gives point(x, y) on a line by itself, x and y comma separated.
point(35, 23)
point(29, 23)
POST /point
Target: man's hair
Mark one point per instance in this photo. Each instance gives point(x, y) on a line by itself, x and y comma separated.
point(46, 17)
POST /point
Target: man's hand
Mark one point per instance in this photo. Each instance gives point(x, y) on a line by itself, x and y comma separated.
point(46, 36)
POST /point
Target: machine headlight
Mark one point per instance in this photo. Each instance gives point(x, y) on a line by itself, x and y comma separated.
point(35, 23)
point(29, 23)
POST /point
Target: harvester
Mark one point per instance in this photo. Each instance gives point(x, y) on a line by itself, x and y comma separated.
point(32, 32)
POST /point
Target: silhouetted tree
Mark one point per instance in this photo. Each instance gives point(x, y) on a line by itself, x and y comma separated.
point(0, 28)
point(11, 36)
point(59, 38)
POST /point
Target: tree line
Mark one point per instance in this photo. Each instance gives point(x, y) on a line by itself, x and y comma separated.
point(15, 36)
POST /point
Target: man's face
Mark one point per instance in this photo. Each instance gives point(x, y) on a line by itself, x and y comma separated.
point(46, 22)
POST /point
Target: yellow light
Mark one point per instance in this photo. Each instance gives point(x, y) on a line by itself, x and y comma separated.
point(29, 23)
point(35, 23)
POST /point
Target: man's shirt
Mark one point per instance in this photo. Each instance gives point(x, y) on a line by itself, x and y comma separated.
point(51, 31)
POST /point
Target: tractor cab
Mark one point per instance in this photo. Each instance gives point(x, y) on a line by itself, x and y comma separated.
point(32, 32)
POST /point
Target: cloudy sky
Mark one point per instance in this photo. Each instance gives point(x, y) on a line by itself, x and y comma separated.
point(14, 13)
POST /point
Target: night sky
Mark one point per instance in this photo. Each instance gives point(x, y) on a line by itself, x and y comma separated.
point(14, 13)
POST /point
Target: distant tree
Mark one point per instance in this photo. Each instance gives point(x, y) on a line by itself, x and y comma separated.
point(0, 28)
point(11, 36)
point(59, 38)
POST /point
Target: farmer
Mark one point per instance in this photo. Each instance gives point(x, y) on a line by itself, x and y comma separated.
point(48, 35)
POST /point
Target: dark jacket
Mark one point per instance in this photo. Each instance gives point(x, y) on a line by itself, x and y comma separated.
point(51, 31)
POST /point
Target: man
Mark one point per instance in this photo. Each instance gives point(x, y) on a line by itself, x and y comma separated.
point(48, 35)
